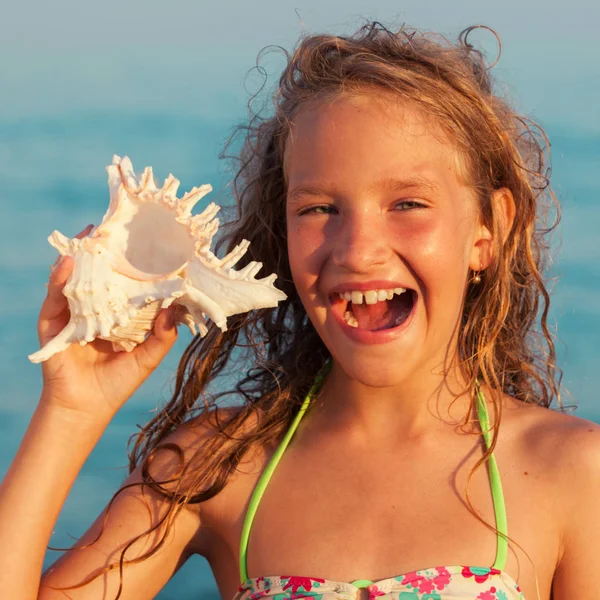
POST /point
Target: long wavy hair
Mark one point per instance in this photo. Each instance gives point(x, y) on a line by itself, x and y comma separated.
point(503, 338)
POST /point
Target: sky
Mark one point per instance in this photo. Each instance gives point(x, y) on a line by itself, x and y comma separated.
point(191, 57)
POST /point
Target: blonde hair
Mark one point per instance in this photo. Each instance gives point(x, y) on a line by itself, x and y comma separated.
point(504, 339)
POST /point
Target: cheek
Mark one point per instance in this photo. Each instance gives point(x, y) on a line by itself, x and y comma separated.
point(437, 251)
point(441, 240)
point(306, 249)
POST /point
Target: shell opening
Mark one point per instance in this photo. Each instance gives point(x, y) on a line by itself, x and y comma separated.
point(157, 243)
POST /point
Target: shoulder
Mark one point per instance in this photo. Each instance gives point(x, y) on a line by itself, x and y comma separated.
point(215, 465)
point(189, 457)
point(567, 450)
point(562, 452)
point(570, 448)
point(565, 442)
point(557, 452)
point(553, 459)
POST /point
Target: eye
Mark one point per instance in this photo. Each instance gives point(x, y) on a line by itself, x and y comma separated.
point(408, 205)
point(321, 209)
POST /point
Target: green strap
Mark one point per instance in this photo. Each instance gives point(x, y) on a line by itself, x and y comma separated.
point(496, 486)
point(263, 482)
point(261, 486)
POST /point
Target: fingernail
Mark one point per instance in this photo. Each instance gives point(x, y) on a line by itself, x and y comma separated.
point(172, 316)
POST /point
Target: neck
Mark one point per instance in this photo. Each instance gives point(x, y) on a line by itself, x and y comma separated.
point(422, 406)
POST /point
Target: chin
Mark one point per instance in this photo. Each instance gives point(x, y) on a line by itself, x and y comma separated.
point(373, 370)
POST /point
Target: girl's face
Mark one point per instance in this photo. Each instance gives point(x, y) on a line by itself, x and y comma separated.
point(375, 204)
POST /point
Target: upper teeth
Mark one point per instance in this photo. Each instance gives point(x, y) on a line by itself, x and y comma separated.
point(371, 296)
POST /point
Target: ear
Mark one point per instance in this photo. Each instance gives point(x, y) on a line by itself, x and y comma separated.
point(503, 210)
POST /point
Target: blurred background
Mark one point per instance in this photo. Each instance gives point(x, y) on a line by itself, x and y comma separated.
point(166, 84)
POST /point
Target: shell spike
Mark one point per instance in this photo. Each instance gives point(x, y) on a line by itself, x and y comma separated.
point(206, 215)
point(130, 181)
point(206, 233)
point(234, 256)
point(191, 198)
point(211, 228)
point(147, 181)
point(57, 344)
point(187, 320)
point(170, 186)
point(247, 273)
point(59, 241)
point(257, 266)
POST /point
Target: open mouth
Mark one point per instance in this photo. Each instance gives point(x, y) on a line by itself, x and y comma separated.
point(375, 310)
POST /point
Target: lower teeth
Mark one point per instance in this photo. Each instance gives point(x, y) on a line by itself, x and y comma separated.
point(350, 319)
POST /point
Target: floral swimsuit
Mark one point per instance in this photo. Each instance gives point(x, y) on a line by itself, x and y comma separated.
point(436, 583)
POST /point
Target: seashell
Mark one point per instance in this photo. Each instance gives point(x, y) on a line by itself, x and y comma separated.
point(148, 253)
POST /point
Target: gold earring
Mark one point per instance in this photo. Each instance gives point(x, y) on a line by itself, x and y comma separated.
point(477, 277)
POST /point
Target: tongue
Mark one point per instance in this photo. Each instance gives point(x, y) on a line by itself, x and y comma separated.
point(375, 316)
point(383, 315)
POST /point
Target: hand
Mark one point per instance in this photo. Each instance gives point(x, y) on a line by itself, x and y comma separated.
point(94, 380)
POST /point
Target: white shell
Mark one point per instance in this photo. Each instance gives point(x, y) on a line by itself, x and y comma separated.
point(150, 252)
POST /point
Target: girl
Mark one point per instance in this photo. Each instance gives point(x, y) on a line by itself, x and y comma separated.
point(392, 436)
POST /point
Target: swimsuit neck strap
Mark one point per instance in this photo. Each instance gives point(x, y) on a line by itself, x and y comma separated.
point(261, 486)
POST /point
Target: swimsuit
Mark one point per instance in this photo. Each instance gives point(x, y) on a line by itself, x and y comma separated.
point(435, 583)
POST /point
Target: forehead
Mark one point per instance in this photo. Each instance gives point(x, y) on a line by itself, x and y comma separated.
point(369, 138)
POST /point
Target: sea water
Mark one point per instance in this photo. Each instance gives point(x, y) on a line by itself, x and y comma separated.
point(52, 173)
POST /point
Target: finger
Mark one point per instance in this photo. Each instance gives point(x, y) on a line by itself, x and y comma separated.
point(165, 329)
point(54, 313)
point(61, 273)
point(85, 231)
point(156, 346)
point(56, 302)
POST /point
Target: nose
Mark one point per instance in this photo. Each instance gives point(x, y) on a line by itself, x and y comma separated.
point(361, 242)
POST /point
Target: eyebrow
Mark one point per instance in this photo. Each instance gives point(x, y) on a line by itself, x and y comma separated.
point(386, 184)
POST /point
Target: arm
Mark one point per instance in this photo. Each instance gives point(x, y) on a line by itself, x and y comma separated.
point(579, 491)
point(51, 455)
point(84, 387)
point(131, 514)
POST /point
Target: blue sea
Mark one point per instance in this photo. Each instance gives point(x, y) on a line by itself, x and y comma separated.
point(53, 177)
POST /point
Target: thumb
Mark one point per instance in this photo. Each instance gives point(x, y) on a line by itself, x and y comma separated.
point(54, 314)
point(156, 346)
